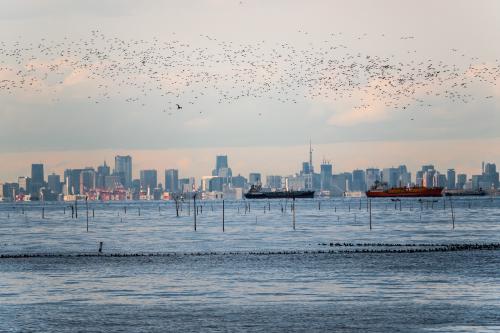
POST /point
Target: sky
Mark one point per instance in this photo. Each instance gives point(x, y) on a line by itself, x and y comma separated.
point(80, 115)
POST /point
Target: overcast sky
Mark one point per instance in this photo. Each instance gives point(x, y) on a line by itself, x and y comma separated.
point(60, 128)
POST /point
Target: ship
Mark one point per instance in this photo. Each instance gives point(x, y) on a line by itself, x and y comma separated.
point(380, 190)
point(256, 192)
point(464, 193)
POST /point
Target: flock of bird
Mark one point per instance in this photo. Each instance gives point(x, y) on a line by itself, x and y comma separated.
point(181, 75)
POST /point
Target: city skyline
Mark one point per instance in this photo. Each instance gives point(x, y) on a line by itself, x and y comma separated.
point(198, 163)
point(119, 184)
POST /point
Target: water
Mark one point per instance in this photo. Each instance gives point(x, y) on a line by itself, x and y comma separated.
point(212, 281)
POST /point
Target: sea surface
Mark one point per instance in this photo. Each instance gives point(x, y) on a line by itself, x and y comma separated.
point(418, 266)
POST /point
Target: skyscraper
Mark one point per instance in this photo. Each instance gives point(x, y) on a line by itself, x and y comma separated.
point(148, 180)
point(451, 179)
point(37, 174)
point(391, 177)
point(172, 180)
point(461, 180)
point(102, 172)
point(222, 168)
point(255, 178)
point(87, 180)
point(123, 168)
point(54, 182)
point(273, 182)
point(372, 176)
point(358, 181)
point(37, 179)
point(24, 184)
point(326, 171)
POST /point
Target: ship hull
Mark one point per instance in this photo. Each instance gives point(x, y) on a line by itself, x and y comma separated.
point(406, 193)
point(280, 195)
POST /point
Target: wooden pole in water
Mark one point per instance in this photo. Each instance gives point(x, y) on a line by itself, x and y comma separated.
point(223, 227)
point(293, 205)
point(76, 208)
point(87, 209)
point(194, 204)
point(100, 247)
point(452, 214)
point(370, 207)
point(43, 213)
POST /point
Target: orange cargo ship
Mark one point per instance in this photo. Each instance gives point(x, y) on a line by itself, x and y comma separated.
point(412, 192)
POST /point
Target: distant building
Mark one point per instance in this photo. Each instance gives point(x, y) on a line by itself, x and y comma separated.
point(273, 182)
point(172, 180)
point(255, 178)
point(404, 176)
point(391, 177)
point(9, 191)
point(326, 173)
point(239, 182)
point(222, 168)
point(149, 180)
point(187, 185)
point(461, 181)
point(123, 169)
point(491, 176)
point(112, 183)
point(37, 179)
point(102, 172)
point(87, 180)
point(24, 185)
point(341, 183)
point(451, 179)
point(439, 180)
point(358, 181)
point(72, 181)
point(372, 176)
point(54, 183)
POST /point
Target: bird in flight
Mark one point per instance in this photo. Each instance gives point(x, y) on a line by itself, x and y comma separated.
point(178, 107)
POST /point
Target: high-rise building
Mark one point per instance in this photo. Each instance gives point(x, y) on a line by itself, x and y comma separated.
point(123, 169)
point(172, 180)
point(24, 185)
point(102, 172)
point(87, 180)
point(149, 180)
point(273, 182)
point(358, 181)
point(72, 181)
point(326, 173)
point(37, 179)
point(341, 183)
point(372, 176)
point(439, 180)
point(391, 177)
point(404, 176)
point(255, 178)
point(451, 179)
point(238, 181)
point(490, 175)
point(54, 183)
point(428, 178)
point(37, 176)
point(461, 181)
point(222, 168)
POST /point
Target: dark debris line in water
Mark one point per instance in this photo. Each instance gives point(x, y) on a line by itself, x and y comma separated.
point(366, 248)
